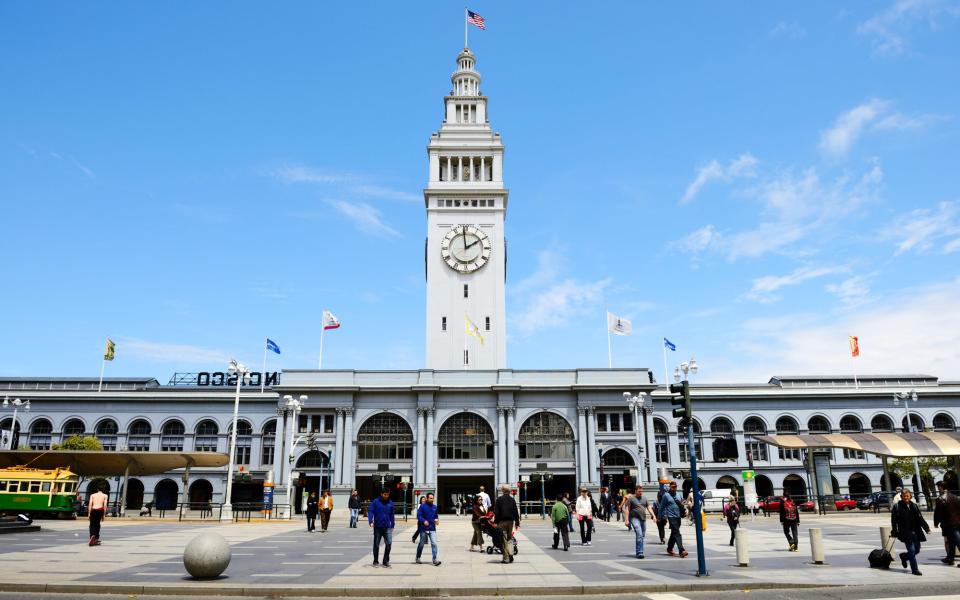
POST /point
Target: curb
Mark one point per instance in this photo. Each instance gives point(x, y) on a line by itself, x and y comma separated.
point(214, 589)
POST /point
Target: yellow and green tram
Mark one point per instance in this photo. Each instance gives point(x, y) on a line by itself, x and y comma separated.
point(38, 491)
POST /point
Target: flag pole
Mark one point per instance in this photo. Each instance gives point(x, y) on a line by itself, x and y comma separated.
point(263, 373)
point(465, 28)
point(666, 372)
point(103, 365)
point(609, 351)
point(323, 328)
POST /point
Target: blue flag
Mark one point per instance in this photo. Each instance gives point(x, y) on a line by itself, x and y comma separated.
point(272, 345)
point(667, 343)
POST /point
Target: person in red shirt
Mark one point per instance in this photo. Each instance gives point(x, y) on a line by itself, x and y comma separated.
point(98, 511)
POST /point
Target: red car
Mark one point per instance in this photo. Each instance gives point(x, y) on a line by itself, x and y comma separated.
point(845, 504)
point(772, 504)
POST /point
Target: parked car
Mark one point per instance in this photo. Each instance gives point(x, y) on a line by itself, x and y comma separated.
point(772, 504)
point(713, 500)
point(873, 500)
point(845, 503)
point(806, 506)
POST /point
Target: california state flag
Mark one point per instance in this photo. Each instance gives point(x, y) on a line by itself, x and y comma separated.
point(854, 346)
point(330, 321)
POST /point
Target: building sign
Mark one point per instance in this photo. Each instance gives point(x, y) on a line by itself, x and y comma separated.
point(221, 379)
point(748, 475)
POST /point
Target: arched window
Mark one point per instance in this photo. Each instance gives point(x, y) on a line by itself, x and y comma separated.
point(73, 427)
point(721, 427)
point(465, 436)
point(852, 424)
point(753, 427)
point(206, 437)
point(617, 457)
point(818, 425)
point(943, 422)
point(313, 459)
point(916, 422)
point(106, 432)
point(268, 443)
point(6, 425)
point(684, 447)
point(138, 437)
point(41, 435)
point(546, 435)
point(244, 442)
point(171, 437)
point(385, 436)
point(661, 441)
point(787, 426)
point(881, 424)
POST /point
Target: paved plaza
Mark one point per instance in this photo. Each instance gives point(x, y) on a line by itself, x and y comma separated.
point(139, 556)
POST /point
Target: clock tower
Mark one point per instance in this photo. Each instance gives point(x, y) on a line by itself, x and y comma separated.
point(466, 252)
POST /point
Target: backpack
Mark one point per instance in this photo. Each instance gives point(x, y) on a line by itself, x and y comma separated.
point(789, 510)
point(733, 511)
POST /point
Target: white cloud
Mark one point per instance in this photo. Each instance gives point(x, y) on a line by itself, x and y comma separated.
point(546, 300)
point(764, 287)
point(698, 241)
point(742, 166)
point(890, 29)
point(172, 353)
point(351, 183)
point(917, 331)
point(853, 291)
point(838, 140)
point(923, 229)
point(789, 30)
point(365, 217)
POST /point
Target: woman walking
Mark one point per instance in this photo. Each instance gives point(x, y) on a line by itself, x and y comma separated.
point(585, 516)
point(908, 525)
point(478, 513)
point(731, 511)
point(416, 534)
point(312, 507)
point(354, 505)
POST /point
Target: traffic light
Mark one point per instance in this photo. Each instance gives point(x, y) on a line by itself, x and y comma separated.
point(683, 411)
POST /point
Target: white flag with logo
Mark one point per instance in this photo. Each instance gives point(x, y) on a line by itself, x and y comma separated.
point(618, 325)
point(330, 321)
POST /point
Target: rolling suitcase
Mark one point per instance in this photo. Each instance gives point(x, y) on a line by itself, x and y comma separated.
point(881, 558)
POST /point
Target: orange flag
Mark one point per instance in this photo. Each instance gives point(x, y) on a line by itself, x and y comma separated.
point(854, 346)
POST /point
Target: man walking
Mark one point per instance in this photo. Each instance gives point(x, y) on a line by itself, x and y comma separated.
point(312, 508)
point(427, 522)
point(381, 519)
point(790, 520)
point(604, 498)
point(354, 505)
point(507, 516)
point(671, 509)
point(559, 516)
point(326, 507)
point(485, 498)
point(946, 516)
point(638, 510)
point(97, 512)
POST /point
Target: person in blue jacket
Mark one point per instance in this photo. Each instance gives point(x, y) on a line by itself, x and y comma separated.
point(381, 519)
point(427, 524)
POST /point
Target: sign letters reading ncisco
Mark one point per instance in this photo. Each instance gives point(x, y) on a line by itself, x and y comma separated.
point(221, 379)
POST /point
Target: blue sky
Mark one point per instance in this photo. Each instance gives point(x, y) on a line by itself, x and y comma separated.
point(756, 181)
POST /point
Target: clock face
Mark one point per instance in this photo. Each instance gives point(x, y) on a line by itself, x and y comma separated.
point(465, 248)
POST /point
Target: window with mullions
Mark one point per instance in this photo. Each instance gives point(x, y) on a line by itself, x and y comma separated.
point(546, 435)
point(206, 439)
point(73, 427)
point(617, 457)
point(268, 443)
point(171, 439)
point(385, 437)
point(41, 435)
point(753, 427)
point(244, 442)
point(138, 438)
point(661, 441)
point(851, 424)
point(685, 447)
point(465, 436)
point(881, 424)
point(107, 434)
point(787, 426)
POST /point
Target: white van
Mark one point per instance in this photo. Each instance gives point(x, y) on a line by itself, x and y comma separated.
point(713, 500)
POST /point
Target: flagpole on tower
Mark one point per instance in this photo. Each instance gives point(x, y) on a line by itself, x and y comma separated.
point(263, 373)
point(609, 351)
point(466, 26)
point(666, 372)
point(103, 364)
point(323, 328)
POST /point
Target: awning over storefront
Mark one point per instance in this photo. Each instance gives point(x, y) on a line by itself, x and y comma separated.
point(90, 463)
point(895, 445)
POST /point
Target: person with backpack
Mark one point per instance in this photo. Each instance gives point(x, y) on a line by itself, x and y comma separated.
point(671, 508)
point(560, 517)
point(908, 525)
point(790, 520)
point(946, 516)
point(731, 511)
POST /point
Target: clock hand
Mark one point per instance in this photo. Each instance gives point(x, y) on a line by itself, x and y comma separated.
point(473, 244)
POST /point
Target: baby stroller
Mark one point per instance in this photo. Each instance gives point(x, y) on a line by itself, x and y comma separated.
point(488, 526)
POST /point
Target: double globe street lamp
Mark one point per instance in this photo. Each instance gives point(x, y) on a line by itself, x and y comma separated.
point(642, 404)
point(17, 404)
point(907, 397)
point(242, 373)
point(294, 405)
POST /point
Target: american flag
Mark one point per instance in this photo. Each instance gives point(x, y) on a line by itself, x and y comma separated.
point(475, 19)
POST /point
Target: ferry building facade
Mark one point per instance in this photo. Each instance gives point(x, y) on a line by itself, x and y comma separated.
point(466, 419)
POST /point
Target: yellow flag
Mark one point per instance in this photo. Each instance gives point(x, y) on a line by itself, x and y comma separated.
point(472, 328)
point(110, 350)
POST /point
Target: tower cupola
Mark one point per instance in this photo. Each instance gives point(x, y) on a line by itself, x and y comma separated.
point(466, 79)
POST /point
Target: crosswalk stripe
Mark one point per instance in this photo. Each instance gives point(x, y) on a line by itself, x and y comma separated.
point(665, 597)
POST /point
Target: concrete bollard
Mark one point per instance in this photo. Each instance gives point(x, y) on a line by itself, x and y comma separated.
point(884, 536)
point(743, 553)
point(816, 545)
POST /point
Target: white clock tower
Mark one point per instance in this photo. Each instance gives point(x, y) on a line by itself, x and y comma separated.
point(466, 252)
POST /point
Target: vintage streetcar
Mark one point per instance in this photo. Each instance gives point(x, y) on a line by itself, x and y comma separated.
point(38, 492)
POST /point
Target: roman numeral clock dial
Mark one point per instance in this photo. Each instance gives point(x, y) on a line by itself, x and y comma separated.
point(465, 248)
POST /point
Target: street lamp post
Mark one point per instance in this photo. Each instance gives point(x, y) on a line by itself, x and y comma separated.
point(294, 405)
point(242, 373)
point(907, 397)
point(641, 405)
point(688, 368)
point(17, 404)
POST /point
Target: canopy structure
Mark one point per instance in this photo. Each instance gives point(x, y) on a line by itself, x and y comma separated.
point(90, 463)
point(893, 445)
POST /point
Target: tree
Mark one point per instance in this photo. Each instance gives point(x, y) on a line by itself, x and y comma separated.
point(904, 468)
point(79, 442)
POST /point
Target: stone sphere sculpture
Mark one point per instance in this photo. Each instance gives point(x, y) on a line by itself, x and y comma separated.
point(207, 556)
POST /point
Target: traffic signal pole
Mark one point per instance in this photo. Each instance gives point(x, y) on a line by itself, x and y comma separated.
point(684, 412)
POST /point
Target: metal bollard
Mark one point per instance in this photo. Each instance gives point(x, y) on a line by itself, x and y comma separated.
point(884, 536)
point(743, 553)
point(816, 545)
